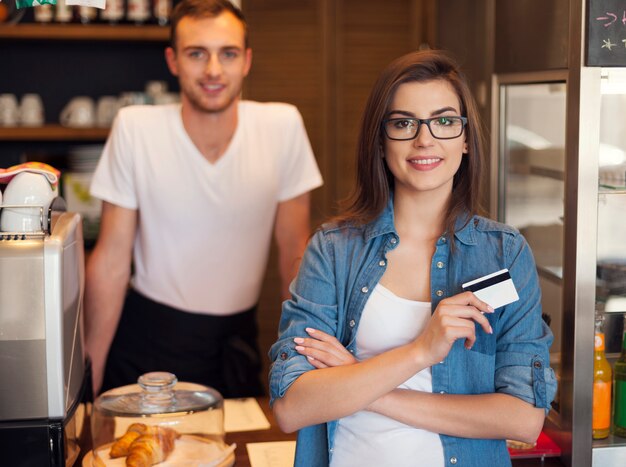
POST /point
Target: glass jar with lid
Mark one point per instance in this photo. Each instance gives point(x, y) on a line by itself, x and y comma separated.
point(159, 421)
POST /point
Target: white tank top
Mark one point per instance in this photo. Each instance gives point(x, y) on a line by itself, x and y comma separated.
point(370, 439)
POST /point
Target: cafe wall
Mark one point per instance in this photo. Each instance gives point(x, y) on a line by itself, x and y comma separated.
point(323, 56)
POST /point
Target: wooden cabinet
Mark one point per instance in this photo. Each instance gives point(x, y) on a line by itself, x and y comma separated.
point(61, 61)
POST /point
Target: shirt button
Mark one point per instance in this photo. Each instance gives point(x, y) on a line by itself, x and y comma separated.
point(441, 362)
point(394, 241)
point(439, 264)
point(283, 356)
point(352, 323)
point(453, 460)
point(365, 290)
point(381, 263)
point(439, 293)
point(537, 365)
point(351, 351)
point(442, 392)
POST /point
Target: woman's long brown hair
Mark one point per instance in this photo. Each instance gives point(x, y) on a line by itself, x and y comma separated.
point(374, 181)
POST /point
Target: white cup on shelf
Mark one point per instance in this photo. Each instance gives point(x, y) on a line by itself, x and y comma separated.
point(106, 109)
point(154, 89)
point(167, 98)
point(31, 110)
point(80, 112)
point(9, 110)
point(133, 98)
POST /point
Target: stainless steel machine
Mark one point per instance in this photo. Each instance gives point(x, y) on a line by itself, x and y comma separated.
point(43, 374)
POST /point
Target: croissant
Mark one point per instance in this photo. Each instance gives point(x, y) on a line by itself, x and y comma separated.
point(138, 428)
point(144, 445)
point(148, 450)
point(121, 446)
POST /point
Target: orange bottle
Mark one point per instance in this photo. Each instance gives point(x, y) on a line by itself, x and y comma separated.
point(602, 379)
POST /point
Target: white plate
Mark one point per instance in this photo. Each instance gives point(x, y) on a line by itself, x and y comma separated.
point(189, 451)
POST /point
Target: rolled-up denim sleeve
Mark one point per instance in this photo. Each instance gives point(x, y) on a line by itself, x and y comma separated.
point(523, 338)
point(313, 304)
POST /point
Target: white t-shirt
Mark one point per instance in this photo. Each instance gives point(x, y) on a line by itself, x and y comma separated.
point(204, 229)
point(370, 439)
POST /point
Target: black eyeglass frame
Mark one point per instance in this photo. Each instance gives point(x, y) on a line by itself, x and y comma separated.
point(425, 121)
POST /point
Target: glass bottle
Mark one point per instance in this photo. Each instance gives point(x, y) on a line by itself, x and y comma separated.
point(44, 13)
point(138, 11)
point(162, 10)
point(601, 421)
point(114, 11)
point(87, 14)
point(619, 399)
point(64, 13)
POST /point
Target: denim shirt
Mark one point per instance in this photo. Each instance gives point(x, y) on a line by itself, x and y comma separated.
point(341, 267)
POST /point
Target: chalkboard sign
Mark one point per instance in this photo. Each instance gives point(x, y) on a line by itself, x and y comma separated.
point(606, 33)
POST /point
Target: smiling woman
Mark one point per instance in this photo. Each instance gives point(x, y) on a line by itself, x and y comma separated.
point(430, 158)
point(379, 298)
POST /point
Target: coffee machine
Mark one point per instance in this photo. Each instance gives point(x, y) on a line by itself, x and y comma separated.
point(43, 376)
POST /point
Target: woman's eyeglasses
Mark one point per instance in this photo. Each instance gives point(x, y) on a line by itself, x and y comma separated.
point(402, 129)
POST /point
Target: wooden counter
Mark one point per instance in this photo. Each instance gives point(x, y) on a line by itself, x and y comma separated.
point(261, 436)
point(274, 434)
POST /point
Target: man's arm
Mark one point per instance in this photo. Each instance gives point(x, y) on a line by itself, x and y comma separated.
point(106, 281)
point(291, 230)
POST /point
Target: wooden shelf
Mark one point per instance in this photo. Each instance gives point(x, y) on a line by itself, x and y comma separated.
point(611, 190)
point(538, 171)
point(52, 133)
point(94, 32)
point(546, 172)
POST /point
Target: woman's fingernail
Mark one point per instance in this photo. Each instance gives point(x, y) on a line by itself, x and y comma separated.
point(309, 357)
point(299, 348)
point(490, 330)
point(467, 346)
point(298, 340)
point(489, 308)
point(310, 330)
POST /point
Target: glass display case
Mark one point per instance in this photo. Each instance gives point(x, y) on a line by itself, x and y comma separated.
point(159, 420)
point(610, 251)
point(611, 247)
point(559, 176)
point(530, 182)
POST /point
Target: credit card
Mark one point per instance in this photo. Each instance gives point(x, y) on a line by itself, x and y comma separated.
point(496, 289)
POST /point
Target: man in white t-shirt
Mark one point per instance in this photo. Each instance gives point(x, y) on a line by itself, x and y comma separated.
point(191, 194)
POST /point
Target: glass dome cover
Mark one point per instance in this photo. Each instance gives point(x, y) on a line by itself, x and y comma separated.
point(159, 421)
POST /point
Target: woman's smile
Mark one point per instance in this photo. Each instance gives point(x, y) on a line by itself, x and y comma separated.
point(425, 163)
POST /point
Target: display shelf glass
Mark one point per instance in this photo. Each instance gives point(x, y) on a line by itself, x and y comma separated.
point(531, 185)
point(611, 248)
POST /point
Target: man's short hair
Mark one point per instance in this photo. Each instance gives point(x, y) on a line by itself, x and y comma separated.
point(199, 9)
